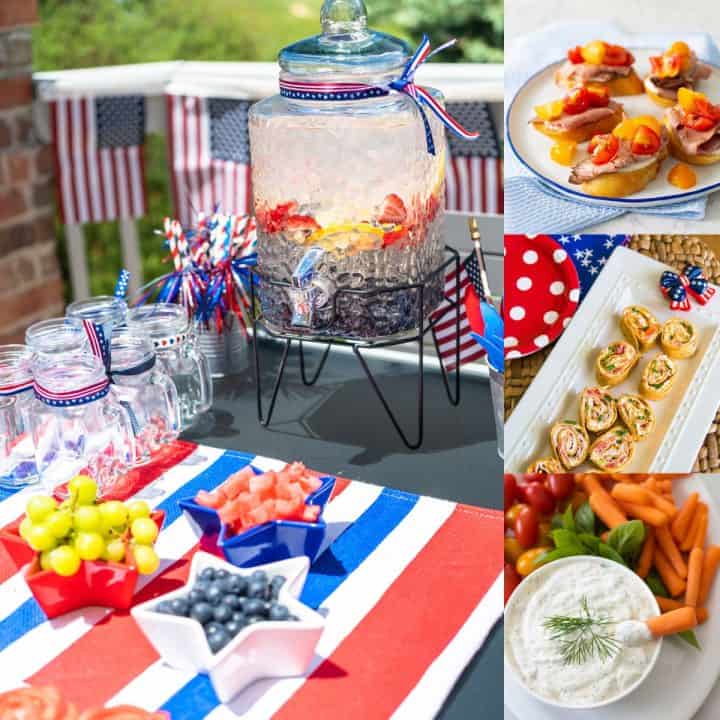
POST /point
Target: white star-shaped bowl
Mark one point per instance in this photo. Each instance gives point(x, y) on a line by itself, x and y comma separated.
point(264, 649)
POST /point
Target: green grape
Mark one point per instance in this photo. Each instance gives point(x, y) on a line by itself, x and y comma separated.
point(25, 527)
point(59, 523)
point(39, 507)
point(45, 560)
point(83, 489)
point(114, 551)
point(64, 560)
point(146, 559)
point(89, 545)
point(87, 518)
point(137, 509)
point(144, 530)
point(114, 514)
point(40, 538)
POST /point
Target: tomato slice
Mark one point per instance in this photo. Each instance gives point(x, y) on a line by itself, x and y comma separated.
point(603, 148)
point(645, 142)
point(698, 122)
point(578, 101)
point(617, 55)
point(575, 55)
point(598, 95)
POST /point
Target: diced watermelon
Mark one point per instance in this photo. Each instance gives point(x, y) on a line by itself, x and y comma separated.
point(238, 482)
point(283, 488)
point(288, 509)
point(311, 513)
point(262, 513)
point(208, 499)
point(263, 486)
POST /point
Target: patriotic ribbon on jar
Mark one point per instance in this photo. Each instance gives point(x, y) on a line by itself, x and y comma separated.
point(16, 388)
point(121, 286)
point(676, 287)
point(316, 90)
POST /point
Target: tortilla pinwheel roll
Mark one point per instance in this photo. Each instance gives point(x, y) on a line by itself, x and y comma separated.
point(570, 443)
point(613, 450)
point(658, 377)
point(637, 415)
point(615, 362)
point(640, 327)
point(546, 465)
point(679, 338)
point(597, 409)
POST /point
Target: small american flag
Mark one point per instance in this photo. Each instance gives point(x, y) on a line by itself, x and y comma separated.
point(446, 328)
point(474, 179)
point(209, 155)
point(99, 148)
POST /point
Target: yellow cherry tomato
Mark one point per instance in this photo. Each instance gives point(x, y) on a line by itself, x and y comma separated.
point(550, 110)
point(682, 176)
point(678, 48)
point(594, 52)
point(526, 563)
point(544, 530)
point(563, 152)
point(652, 122)
point(626, 129)
point(688, 97)
point(513, 550)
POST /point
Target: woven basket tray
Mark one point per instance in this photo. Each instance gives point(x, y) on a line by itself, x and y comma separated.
point(674, 250)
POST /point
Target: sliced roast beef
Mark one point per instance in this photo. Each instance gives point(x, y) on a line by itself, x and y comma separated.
point(671, 83)
point(697, 70)
point(667, 93)
point(694, 142)
point(570, 122)
point(582, 73)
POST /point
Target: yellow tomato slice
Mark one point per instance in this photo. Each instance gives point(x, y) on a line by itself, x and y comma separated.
point(550, 110)
point(563, 152)
point(688, 97)
point(594, 52)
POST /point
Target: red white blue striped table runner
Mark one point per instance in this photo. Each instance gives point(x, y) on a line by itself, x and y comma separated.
point(410, 587)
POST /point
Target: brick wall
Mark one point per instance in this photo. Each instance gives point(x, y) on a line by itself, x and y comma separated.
point(30, 282)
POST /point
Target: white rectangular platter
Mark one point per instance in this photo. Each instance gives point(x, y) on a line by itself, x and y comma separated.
point(683, 416)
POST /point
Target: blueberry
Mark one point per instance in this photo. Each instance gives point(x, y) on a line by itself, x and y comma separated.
point(278, 612)
point(164, 607)
point(221, 573)
point(226, 584)
point(222, 613)
point(218, 640)
point(196, 596)
point(238, 617)
point(208, 574)
point(254, 606)
point(232, 601)
point(180, 606)
point(202, 585)
point(252, 619)
point(234, 627)
point(213, 627)
point(202, 612)
point(256, 589)
point(214, 593)
point(238, 584)
point(275, 584)
point(259, 576)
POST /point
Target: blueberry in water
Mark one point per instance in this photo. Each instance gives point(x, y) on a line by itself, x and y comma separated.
point(196, 596)
point(164, 607)
point(202, 612)
point(232, 601)
point(238, 584)
point(254, 606)
point(259, 576)
point(214, 593)
point(234, 627)
point(256, 589)
point(278, 612)
point(222, 613)
point(213, 627)
point(218, 640)
point(208, 574)
point(180, 606)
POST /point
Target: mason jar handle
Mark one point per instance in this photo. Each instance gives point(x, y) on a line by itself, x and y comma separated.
point(172, 400)
point(126, 427)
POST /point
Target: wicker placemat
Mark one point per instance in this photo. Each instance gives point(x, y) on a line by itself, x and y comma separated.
point(674, 250)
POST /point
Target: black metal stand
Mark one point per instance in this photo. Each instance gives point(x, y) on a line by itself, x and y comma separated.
point(417, 335)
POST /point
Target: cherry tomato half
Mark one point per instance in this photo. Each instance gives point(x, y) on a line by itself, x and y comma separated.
point(645, 141)
point(509, 490)
point(526, 526)
point(527, 562)
point(603, 148)
point(512, 513)
point(540, 498)
point(701, 123)
point(598, 95)
point(578, 101)
point(617, 55)
point(561, 485)
point(512, 580)
point(575, 55)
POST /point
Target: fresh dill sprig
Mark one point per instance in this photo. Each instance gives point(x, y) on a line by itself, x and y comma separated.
point(582, 637)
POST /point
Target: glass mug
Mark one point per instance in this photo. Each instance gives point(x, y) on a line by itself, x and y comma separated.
point(175, 343)
point(77, 425)
point(108, 311)
point(145, 390)
point(17, 452)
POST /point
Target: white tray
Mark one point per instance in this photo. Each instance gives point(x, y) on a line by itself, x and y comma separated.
point(683, 417)
point(682, 677)
point(533, 148)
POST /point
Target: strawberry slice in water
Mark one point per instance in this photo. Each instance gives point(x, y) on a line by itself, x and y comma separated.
point(392, 210)
point(301, 222)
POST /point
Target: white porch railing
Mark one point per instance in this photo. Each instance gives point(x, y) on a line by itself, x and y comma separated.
point(247, 80)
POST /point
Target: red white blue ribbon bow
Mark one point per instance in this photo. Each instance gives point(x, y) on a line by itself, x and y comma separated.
point(313, 90)
point(691, 281)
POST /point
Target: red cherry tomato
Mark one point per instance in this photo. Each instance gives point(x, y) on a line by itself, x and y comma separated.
point(540, 498)
point(578, 101)
point(603, 148)
point(617, 55)
point(526, 527)
point(561, 486)
point(701, 123)
point(534, 477)
point(575, 55)
point(512, 513)
point(510, 490)
point(645, 141)
point(512, 580)
point(598, 95)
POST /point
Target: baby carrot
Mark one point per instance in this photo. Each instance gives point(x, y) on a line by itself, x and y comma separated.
point(649, 515)
point(663, 503)
point(668, 604)
point(665, 541)
point(606, 508)
point(673, 622)
point(695, 526)
point(699, 539)
point(695, 564)
point(710, 566)
point(604, 536)
point(702, 615)
point(627, 492)
point(645, 560)
point(682, 520)
point(591, 483)
point(664, 485)
point(673, 582)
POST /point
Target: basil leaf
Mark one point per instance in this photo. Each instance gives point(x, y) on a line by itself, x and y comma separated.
point(585, 519)
point(568, 522)
point(627, 539)
point(591, 542)
point(604, 550)
point(557, 521)
point(558, 553)
point(690, 638)
point(566, 539)
point(655, 583)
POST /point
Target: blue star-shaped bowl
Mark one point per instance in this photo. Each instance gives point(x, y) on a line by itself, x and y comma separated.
point(270, 542)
